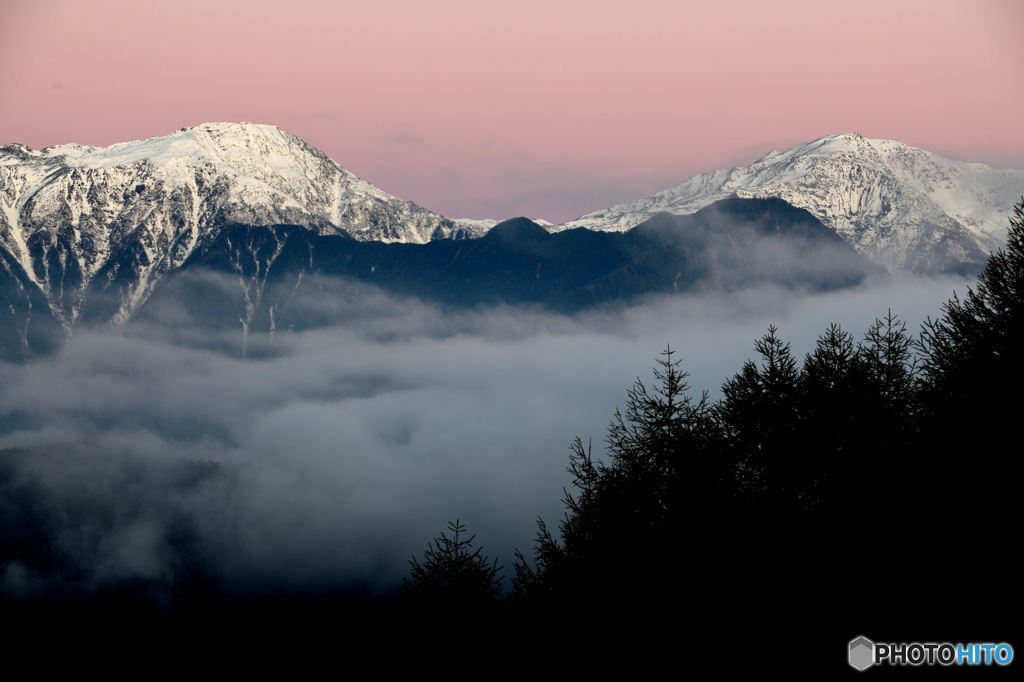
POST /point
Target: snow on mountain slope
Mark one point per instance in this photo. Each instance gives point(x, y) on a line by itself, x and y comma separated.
point(102, 225)
point(902, 207)
point(66, 211)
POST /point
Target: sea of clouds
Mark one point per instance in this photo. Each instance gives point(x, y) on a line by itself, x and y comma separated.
point(343, 450)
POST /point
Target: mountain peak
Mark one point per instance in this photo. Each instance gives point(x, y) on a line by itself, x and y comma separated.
point(218, 143)
point(68, 213)
point(266, 176)
point(516, 230)
point(902, 207)
point(831, 145)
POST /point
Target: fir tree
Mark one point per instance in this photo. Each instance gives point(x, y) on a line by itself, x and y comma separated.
point(980, 334)
point(833, 391)
point(623, 520)
point(759, 415)
point(453, 573)
point(971, 371)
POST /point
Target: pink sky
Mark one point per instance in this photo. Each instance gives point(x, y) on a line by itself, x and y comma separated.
point(548, 109)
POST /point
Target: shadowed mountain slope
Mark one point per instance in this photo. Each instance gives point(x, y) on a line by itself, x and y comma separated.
point(268, 280)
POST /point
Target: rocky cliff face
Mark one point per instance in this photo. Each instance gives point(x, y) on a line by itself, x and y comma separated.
point(86, 222)
point(900, 206)
point(86, 233)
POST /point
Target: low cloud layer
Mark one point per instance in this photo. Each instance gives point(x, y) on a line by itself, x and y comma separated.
point(343, 450)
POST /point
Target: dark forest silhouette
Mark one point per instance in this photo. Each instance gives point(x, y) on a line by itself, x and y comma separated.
point(872, 484)
point(856, 487)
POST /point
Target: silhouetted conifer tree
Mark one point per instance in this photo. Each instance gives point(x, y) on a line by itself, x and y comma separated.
point(971, 371)
point(759, 415)
point(619, 538)
point(453, 573)
point(833, 389)
point(979, 337)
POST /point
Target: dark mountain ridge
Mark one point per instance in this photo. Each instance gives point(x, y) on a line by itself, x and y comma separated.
point(265, 280)
point(274, 275)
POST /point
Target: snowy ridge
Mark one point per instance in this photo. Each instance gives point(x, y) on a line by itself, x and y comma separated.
point(900, 206)
point(107, 223)
point(66, 210)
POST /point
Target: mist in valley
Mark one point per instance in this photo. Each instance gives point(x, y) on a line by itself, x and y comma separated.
point(323, 459)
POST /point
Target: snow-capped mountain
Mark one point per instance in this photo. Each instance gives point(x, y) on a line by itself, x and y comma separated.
point(902, 207)
point(88, 233)
point(70, 213)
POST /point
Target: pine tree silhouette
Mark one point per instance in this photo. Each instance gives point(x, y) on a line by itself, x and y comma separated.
point(619, 538)
point(453, 573)
point(971, 373)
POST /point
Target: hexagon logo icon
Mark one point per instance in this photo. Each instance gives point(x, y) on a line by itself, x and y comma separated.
point(862, 653)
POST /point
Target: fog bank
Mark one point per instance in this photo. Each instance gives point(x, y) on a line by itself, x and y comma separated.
point(344, 450)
